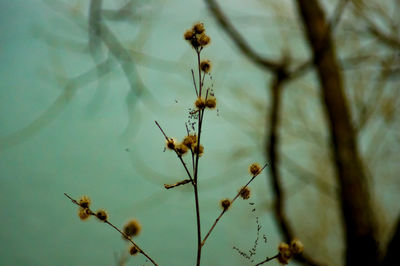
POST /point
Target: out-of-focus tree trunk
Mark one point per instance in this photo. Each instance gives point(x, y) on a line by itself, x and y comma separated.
point(361, 245)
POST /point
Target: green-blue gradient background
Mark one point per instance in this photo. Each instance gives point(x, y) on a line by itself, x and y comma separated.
point(82, 146)
point(82, 150)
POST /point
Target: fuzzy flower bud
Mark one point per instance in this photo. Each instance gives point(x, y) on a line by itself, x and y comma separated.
point(198, 149)
point(171, 144)
point(84, 202)
point(181, 149)
point(102, 215)
point(204, 40)
point(189, 140)
point(84, 214)
point(284, 253)
point(225, 204)
point(296, 247)
point(132, 228)
point(200, 103)
point(211, 102)
point(245, 193)
point(199, 28)
point(188, 35)
point(205, 66)
point(133, 250)
point(254, 169)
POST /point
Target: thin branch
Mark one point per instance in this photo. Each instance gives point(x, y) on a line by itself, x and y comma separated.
point(194, 83)
point(233, 200)
point(272, 150)
point(331, 26)
point(392, 250)
point(179, 155)
point(267, 259)
point(238, 39)
point(116, 228)
point(180, 183)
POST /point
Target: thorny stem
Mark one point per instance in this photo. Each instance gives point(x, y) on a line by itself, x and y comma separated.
point(233, 200)
point(116, 228)
point(267, 259)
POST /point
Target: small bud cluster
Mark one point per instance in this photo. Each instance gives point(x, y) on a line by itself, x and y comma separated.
point(255, 169)
point(188, 143)
point(245, 193)
point(201, 103)
point(286, 252)
point(197, 36)
point(132, 228)
point(102, 215)
point(133, 250)
point(225, 204)
point(205, 66)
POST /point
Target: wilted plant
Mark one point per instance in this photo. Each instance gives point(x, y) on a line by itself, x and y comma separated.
point(191, 144)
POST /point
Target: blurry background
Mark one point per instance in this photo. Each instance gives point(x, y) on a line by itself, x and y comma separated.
point(83, 81)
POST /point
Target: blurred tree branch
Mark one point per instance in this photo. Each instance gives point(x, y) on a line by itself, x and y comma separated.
point(355, 199)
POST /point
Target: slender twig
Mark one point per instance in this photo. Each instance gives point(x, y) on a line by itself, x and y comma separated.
point(194, 83)
point(116, 228)
point(202, 80)
point(191, 150)
point(179, 155)
point(180, 183)
point(238, 39)
point(196, 168)
point(267, 259)
point(198, 64)
point(233, 200)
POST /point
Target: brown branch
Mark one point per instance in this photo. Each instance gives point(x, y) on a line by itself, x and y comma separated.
point(233, 200)
point(177, 154)
point(237, 38)
point(354, 194)
point(125, 236)
point(272, 150)
point(392, 250)
point(267, 259)
point(331, 26)
point(177, 184)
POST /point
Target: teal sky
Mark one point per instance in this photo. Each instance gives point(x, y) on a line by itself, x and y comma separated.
point(80, 148)
point(52, 142)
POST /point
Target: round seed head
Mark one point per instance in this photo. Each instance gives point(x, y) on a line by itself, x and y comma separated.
point(205, 66)
point(84, 202)
point(254, 169)
point(102, 215)
point(296, 247)
point(83, 214)
point(204, 40)
point(245, 193)
point(132, 228)
point(199, 28)
point(133, 250)
point(225, 204)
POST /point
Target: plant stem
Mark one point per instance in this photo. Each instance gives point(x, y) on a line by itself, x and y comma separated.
point(233, 200)
point(196, 197)
point(116, 228)
point(196, 169)
point(267, 259)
